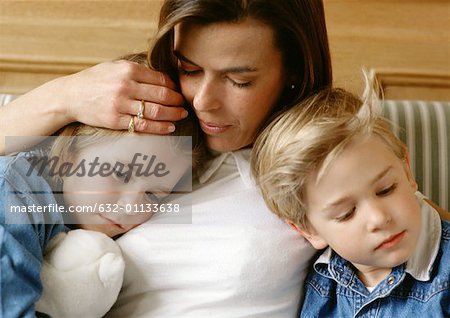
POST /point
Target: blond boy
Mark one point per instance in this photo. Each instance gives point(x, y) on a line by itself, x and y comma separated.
point(333, 170)
point(117, 197)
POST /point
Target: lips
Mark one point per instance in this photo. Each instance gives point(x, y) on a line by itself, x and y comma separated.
point(391, 241)
point(213, 128)
point(112, 222)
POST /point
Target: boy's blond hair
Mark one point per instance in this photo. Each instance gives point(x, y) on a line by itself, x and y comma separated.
point(307, 138)
point(66, 148)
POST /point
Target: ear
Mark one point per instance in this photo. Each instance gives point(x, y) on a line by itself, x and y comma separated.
point(316, 240)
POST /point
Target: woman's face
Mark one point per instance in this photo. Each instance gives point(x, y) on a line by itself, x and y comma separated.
point(232, 74)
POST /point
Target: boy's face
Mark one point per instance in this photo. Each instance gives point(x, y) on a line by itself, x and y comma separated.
point(364, 207)
point(121, 199)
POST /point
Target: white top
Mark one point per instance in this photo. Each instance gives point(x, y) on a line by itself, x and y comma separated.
point(420, 264)
point(235, 259)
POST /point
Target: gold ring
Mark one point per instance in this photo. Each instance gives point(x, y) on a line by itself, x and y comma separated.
point(140, 113)
point(131, 125)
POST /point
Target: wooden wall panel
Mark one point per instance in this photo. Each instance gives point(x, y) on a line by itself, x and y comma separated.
point(397, 38)
point(42, 39)
point(406, 85)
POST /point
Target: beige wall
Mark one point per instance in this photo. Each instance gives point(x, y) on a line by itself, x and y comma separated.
point(407, 42)
point(43, 39)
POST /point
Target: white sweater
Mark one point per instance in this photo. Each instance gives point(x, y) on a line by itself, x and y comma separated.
point(230, 258)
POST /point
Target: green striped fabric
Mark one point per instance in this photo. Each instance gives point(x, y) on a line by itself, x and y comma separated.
point(6, 98)
point(424, 127)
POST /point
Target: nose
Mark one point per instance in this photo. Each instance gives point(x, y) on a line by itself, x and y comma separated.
point(206, 96)
point(133, 208)
point(378, 215)
point(129, 202)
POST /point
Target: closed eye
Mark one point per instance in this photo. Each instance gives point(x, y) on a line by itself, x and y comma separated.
point(347, 216)
point(387, 191)
point(238, 84)
point(152, 197)
point(185, 72)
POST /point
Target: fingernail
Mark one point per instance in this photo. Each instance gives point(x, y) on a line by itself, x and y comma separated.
point(184, 114)
point(171, 128)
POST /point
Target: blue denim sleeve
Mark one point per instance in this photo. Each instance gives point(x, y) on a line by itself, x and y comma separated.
point(23, 236)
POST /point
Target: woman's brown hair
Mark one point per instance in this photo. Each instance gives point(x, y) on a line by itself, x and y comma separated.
point(298, 25)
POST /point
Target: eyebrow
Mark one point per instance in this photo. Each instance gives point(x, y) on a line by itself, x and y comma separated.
point(342, 200)
point(233, 69)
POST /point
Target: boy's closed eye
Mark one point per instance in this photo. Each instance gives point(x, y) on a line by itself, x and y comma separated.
point(157, 196)
point(347, 215)
point(152, 197)
point(387, 190)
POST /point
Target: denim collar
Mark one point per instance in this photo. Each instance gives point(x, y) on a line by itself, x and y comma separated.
point(419, 265)
point(241, 158)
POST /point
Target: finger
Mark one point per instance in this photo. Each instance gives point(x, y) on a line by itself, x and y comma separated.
point(152, 86)
point(158, 94)
point(162, 113)
point(153, 127)
point(146, 126)
point(126, 121)
point(151, 111)
point(145, 75)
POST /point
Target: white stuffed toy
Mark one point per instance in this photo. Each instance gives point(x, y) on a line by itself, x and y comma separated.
point(82, 275)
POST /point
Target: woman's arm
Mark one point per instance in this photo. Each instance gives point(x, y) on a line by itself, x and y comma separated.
point(105, 95)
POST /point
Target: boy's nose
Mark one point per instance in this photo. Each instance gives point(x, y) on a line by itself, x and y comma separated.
point(378, 216)
point(129, 202)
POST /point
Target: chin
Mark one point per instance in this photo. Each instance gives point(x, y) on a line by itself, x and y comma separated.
point(399, 259)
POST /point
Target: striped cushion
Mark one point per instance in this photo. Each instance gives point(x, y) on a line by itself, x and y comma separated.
point(6, 98)
point(425, 127)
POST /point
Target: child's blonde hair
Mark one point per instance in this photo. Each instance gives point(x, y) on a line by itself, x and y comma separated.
point(66, 148)
point(307, 138)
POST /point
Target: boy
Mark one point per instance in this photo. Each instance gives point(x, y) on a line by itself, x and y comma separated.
point(334, 171)
point(96, 169)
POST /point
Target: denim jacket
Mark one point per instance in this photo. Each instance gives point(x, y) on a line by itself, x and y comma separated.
point(418, 288)
point(23, 236)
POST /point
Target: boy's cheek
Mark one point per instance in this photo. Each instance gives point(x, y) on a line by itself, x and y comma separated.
point(410, 177)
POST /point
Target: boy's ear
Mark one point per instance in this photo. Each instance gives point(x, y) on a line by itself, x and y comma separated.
point(316, 240)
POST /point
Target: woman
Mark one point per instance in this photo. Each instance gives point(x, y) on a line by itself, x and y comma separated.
point(236, 63)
